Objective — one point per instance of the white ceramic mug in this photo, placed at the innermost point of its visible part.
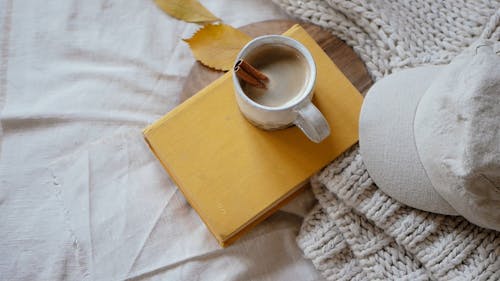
(300, 112)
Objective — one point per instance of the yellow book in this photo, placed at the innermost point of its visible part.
(234, 174)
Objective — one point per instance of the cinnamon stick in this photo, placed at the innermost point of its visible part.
(249, 74)
(245, 76)
(252, 70)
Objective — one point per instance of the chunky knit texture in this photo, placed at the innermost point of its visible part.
(357, 232)
(394, 34)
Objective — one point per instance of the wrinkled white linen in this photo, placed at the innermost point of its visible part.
(81, 196)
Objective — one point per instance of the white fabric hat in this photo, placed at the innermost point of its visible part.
(430, 136)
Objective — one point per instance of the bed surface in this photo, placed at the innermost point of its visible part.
(81, 196)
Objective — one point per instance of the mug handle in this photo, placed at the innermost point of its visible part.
(312, 123)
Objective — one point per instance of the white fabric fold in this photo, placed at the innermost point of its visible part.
(81, 196)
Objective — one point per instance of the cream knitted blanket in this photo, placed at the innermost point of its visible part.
(356, 232)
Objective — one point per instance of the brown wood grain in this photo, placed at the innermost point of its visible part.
(343, 56)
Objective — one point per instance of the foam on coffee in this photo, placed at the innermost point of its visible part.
(288, 74)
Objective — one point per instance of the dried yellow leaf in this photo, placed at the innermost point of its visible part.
(216, 45)
(187, 10)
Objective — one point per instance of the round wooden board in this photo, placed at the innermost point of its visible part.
(343, 56)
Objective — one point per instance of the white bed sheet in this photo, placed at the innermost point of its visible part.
(81, 196)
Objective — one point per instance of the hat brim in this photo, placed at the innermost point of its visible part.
(387, 142)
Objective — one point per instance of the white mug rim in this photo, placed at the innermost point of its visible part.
(269, 39)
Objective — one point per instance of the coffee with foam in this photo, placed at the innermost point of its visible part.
(288, 73)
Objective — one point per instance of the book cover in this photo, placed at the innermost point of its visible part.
(234, 174)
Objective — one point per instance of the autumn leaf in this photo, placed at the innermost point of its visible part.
(217, 45)
(186, 10)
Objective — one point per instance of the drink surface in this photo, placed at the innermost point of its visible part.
(288, 74)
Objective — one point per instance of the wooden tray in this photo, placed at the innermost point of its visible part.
(343, 56)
